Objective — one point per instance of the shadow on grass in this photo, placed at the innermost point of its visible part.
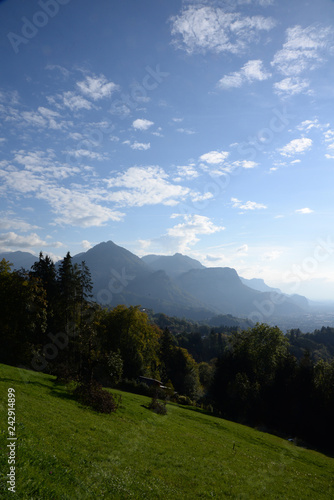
(24, 382)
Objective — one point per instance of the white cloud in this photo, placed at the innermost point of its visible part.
(62, 70)
(77, 207)
(304, 49)
(247, 164)
(86, 153)
(74, 101)
(158, 132)
(13, 240)
(142, 124)
(186, 233)
(251, 71)
(308, 125)
(141, 146)
(214, 157)
(206, 28)
(291, 86)
(185, 131)
(86, 245)
(249, 205)
(145, 186)
(188, 171)
(304, 211)
(296, 146)
(8, 222)
(97, 87)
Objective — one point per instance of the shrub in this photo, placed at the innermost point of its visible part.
(184, 400)
(158, 406)
(92, 394)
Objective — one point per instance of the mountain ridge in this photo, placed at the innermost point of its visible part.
(177, 285)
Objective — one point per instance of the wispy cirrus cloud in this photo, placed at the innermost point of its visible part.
(304, 49)
(291, 86)
(296, 146)
(97, 87)
(251, 71)
(73, 101)
(139, 146)
(206, 28)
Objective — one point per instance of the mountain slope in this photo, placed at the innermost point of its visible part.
(19, 259)
(120, 277)
(173, 265)
(259, 285)
(225, 292)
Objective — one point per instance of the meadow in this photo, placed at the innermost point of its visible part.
(67, 451)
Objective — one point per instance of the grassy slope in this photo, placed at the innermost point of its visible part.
(68, 452)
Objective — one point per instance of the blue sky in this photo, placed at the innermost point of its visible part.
(198, 127)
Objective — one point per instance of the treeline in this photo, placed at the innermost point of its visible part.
(257, 376)
(259, 382)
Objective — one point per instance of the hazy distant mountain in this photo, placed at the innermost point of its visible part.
(173, 265)
(224, 291)
(259, 285)
(19, 259)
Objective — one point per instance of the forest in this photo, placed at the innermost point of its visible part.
(259, 376)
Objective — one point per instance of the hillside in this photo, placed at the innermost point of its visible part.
(65, 451)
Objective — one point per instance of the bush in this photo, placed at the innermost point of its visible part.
(158, 406)
(184, 400)
(92, 394)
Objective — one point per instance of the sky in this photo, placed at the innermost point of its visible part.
(199, 127)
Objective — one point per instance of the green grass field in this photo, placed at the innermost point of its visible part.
(66, 451)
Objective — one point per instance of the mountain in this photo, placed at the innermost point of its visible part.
(223, 290)
(19, 259)
(120, 277)
(259, 285)
(173, 265)
(177, 286)
(180, 286)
